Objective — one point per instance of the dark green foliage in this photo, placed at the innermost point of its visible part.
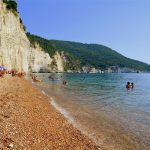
(11, 5)
(73, 63)
(79, 54)
(21, 21)
(46, 45)
(24, 27)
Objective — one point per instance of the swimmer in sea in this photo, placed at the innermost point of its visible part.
(34, 78)
(128, 86)
(132, 85)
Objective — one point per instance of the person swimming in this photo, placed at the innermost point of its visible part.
(34, 78)
(132, 85)
(128, 86)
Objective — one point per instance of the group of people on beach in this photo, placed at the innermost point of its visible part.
(13, 73)
(16, 73)
(130, 85)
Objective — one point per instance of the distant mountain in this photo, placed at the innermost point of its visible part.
(94, 55)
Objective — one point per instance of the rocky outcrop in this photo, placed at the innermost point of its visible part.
(15, 50)
(14, 45)
(42, 62)
(39, 60)
(88, 69)
(58, 62)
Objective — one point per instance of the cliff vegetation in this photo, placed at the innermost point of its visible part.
(11, 5)
(72, 63)
(79, 54)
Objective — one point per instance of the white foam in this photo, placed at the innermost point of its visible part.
(43, 92)
(63, 112)
(72, 121)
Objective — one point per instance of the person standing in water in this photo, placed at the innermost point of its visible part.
(65, 82)
(128, 86)
(132, 85)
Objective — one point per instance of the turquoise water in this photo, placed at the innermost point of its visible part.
(101, 106)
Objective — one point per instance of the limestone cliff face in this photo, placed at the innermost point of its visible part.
(14, 45)
(15, 50)
(58, 62)
(39, 60)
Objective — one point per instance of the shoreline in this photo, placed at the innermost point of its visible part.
(105, 131)
(29, 121)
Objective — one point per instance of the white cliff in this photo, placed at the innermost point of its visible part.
(39, 60)
(58, 62)
(14, 45)
(15, 50)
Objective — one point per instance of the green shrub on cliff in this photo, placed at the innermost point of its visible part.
(11, 5)
(73, 63)
(79, 54)
(24, 27)
(45, 44)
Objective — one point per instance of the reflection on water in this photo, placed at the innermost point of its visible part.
(100, 103)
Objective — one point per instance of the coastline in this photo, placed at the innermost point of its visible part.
(29, 121)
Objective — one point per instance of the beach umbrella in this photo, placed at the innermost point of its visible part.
(2, 68)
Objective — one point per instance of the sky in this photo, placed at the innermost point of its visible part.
(123, 25)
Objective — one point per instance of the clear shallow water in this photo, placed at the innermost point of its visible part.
(100, 105)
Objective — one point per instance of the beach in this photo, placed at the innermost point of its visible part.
(29, 122)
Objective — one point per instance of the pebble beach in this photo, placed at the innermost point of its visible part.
(29, 122)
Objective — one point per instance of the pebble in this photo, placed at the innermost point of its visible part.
(11, 145)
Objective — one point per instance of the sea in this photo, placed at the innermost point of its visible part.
(101, 107)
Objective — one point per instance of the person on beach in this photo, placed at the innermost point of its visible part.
(14, 72)
(20, 74)
(2, 73)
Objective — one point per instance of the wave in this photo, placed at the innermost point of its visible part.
(71, 119)
(65, 113)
